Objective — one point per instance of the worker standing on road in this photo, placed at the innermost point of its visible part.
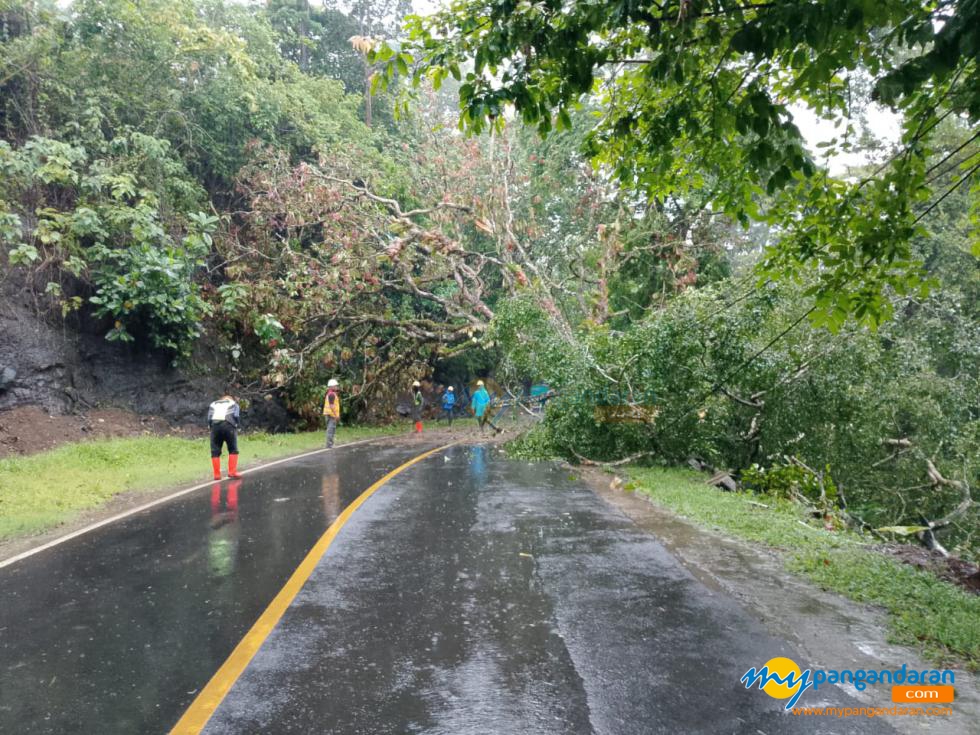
(418, 402)
(449, 404)
(223, 418)
(331, 410)
(481, 407)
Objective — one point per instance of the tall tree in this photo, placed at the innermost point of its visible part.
(319, 38)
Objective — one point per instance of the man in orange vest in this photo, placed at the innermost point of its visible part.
(331, 409)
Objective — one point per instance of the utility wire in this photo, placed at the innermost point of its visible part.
(745, 363)
(953, 153)
(729, 304)
(949, 191)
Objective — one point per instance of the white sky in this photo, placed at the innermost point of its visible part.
(885, 124)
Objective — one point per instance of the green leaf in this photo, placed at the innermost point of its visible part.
(564, 120)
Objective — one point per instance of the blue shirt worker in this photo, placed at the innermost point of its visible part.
(449, 404)
(481, 407)
(223, 418)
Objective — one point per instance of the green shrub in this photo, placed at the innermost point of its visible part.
(791, 480)
(108, 228)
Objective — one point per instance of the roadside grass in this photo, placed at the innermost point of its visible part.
(923, 610)
(41, 491)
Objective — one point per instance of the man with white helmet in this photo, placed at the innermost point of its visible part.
(449, 404)
(331, 409)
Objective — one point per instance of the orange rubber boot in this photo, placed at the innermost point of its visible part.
(216, 467)
(233, 465)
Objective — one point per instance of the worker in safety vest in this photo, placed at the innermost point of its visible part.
(223, 418)
(418, 402)
(331, 409)
(449, 404)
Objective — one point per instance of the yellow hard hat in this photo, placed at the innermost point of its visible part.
(479, 382)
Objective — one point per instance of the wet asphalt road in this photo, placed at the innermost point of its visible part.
(469, 595)
(114, 631)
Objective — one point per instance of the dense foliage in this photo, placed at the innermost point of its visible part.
(877, 414)
(120, 121)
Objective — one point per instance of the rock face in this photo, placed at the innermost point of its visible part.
(65, 370)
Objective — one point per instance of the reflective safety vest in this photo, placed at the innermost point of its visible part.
(331, 405)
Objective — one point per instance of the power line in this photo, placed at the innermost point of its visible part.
(745, 363)
(949, 191)
(953, 153)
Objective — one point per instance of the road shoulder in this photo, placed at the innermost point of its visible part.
(830, 630)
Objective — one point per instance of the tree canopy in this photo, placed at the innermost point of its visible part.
(693, 101)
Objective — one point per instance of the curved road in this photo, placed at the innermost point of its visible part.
(469, 594)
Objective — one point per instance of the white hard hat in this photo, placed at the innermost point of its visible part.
(332, 383)
(449, 388)
(479, 382)
(416, 384)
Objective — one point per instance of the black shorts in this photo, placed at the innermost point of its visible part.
(223, 432)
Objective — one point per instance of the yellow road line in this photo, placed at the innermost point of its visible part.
(204, 705)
